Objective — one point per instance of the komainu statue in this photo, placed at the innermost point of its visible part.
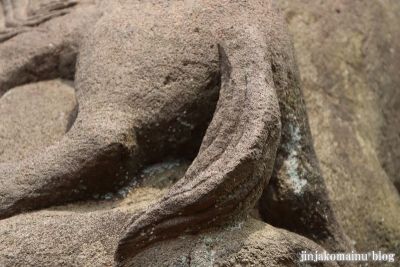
(148, 77)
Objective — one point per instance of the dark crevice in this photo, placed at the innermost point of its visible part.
(72, 117)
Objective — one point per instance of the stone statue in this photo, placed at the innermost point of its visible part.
(146, 74)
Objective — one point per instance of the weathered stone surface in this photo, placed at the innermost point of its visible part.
(34, 116)
(251, 243)
(318, 221)
(61, 238)
(349, 59)
(85, 233)
(297, 188)
(147, 85)
(46, 49)
(190, 37)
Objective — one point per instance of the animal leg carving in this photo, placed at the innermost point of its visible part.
(116, 120)
(54, 174)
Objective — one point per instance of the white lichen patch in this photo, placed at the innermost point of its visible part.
(191, 126)
(291, 163)
(203, 255)
(234, 225)
(108, 196)
(123, 192)
(183, 260)
(161, 167)
(161, 175)
(208, 240)
(152, 176)
(294, 178)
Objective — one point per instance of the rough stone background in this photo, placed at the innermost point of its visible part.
(349, 59)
